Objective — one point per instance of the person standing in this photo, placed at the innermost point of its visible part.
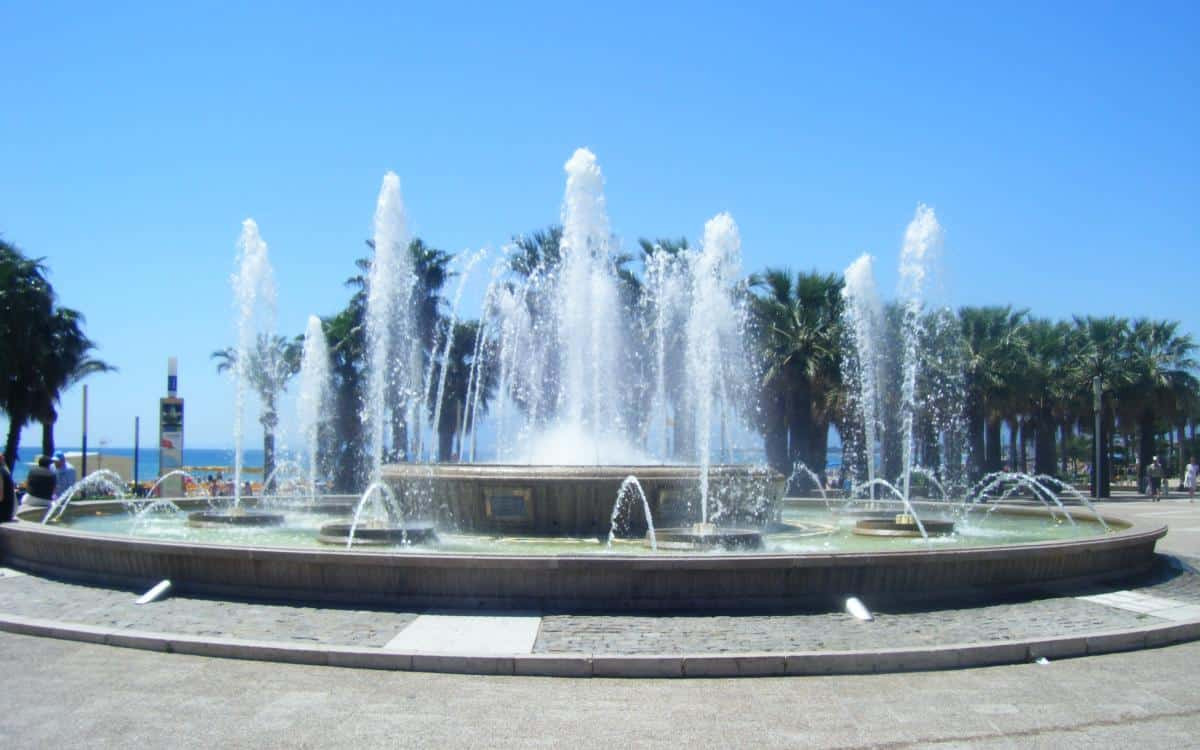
(1190, 477)
(1155, 472)
(65, 472)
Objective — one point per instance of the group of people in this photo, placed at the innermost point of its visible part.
(1155, 484)
(47, 481)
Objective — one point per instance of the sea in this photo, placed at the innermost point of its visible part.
(200, 461)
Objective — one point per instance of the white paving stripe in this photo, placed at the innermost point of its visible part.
(1156, 606)
(483, 635)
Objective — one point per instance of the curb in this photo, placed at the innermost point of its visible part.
(950, 656)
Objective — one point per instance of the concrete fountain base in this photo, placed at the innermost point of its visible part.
(612, 582)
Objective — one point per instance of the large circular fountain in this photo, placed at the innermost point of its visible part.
(808, 556)
(592, 398)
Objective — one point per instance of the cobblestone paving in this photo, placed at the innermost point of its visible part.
(1049, 616)
(30, 596)
(1061, 615)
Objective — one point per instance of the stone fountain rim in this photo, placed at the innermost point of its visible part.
(1125, 532)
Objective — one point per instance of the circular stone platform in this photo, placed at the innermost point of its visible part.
(903, 525)
(417, 532)
(235, 517)
(706, 536)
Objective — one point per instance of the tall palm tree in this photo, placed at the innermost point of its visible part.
(43, 349)
(797, 323)
(431, 271)
(1101, 350)
(66, 361)
(270, 364)
(994, 356)
(458, 374)
(26, 302)
(1161, 363)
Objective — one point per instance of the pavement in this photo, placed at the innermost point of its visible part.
(120, 696)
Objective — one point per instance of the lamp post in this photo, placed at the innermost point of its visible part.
(1096, 400)
(83, 468)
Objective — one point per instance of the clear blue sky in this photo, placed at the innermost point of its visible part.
(1058, 143)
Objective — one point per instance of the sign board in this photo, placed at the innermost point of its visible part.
(508, 504)
(170, 444)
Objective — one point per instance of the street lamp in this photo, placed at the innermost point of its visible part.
(1096, 397)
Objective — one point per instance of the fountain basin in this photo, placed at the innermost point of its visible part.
(572, 582)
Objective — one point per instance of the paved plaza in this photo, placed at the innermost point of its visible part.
(71, 692)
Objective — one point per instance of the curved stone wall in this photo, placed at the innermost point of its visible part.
(607, 582)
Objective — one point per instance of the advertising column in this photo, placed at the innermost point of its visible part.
(170, 433)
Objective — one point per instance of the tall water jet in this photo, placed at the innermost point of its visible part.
(712, 328)
(667, 287)
(922, 239)
(865, 312)
(445, 358)
(254, 307)
(313, 399)
(389, 288)
(588, 324)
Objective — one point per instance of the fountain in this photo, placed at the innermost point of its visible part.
(605, 410)
(254, 298)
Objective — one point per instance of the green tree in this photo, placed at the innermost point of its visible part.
(797, 324)
(270, 364)
(43, 349)
(994, 356)
(1160, 365)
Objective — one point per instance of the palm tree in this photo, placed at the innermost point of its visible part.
(797, 323)
(43, 349)
(538, 252)
(459, 364)
(1161, 362)
(270, 364)
(1047, 386)
(993, 359)
(1101, 350)
(67, 360)
(430, 268)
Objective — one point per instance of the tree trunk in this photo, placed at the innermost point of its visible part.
(818, 447)
(1043, 442)
(13, 442)
(48, 433)
(1066, 451)
(1013, 439)
(1147, 449)
(800, 429)
(268, 460)
(1023, 463)
(976, 452)
(993, 460)
(775, 436)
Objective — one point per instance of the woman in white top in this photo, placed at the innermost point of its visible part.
(1189, 478)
